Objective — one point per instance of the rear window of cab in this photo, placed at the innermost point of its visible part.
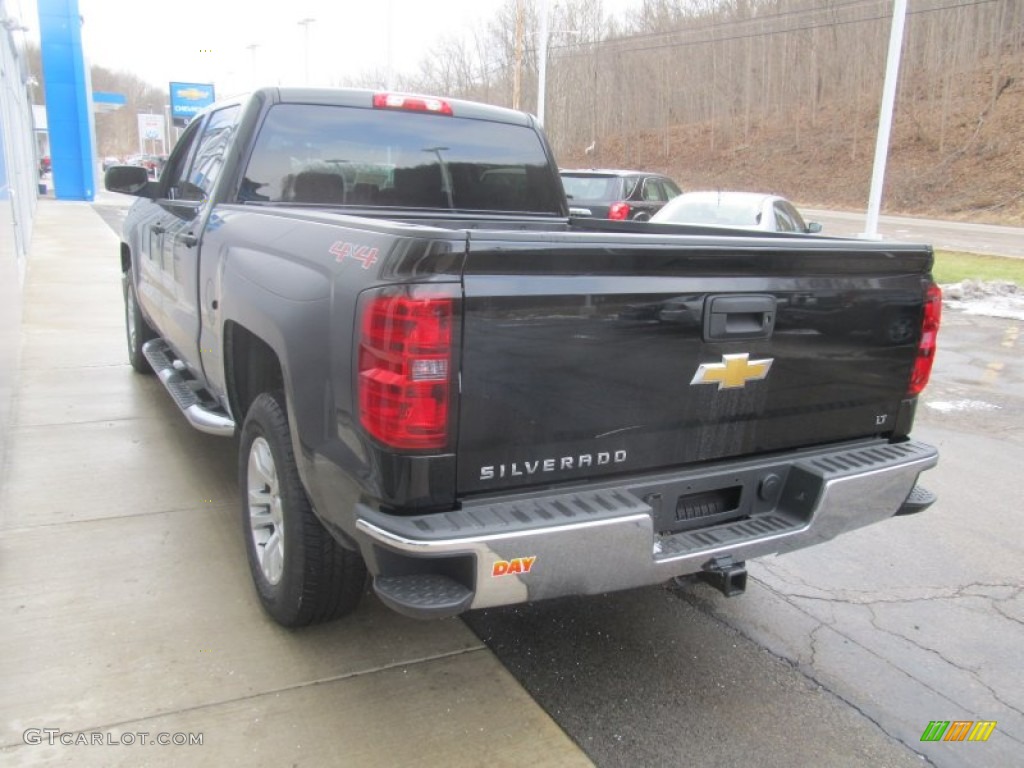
(340, 155)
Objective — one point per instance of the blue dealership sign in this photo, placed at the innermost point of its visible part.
(189, 98)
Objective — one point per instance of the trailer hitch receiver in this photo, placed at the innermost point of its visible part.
(726, 575)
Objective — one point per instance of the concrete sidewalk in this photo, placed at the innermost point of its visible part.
(125, 596)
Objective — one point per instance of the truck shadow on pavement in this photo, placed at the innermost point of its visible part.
(644, 678)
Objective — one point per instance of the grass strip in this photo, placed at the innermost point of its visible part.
(954, 266)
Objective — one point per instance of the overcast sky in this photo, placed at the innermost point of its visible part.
(237, 45)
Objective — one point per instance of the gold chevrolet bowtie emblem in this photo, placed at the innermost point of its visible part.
(733, 372)
(193, 93)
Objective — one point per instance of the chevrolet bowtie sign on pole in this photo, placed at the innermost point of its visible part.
(187, 99)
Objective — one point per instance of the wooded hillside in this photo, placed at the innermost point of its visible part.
(770, 95)
(776, 95)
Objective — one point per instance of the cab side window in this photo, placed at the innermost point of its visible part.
(209, 157)
(177, 163)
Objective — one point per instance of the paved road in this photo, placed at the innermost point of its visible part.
(948, 235)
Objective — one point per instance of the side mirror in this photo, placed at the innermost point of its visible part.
(813, 227)
(129, 180)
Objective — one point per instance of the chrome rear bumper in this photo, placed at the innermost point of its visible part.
(605, 537)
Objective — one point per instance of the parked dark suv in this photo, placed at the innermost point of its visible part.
(620, 195)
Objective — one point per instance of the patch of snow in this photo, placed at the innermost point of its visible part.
(959, 406)
(980, 289)
(996, 298)
(1011, 310)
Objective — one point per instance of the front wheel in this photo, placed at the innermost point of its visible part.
(137, 330)
(302, 575)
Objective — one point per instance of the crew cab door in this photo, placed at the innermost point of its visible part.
(164, 219)
(183, 235)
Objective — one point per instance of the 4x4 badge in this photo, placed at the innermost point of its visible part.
(733, 372)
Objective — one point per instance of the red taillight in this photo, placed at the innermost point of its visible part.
(405, 362)
(619, 211)
(411, 103)
(926, 347)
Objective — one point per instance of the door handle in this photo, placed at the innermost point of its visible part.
(188, 240)
(157, 229)
(739, 318)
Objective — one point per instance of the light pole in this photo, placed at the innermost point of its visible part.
(389, 75)
(517, 74)
(252, 51)
(594, 55)
(168, 129)
(892, 70)
(542, 75)
(304, 23)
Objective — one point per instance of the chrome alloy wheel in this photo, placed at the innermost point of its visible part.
(266, 519)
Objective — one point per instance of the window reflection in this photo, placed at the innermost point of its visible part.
(330, 155)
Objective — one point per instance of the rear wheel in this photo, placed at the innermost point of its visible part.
(137, 330)
(302, 575)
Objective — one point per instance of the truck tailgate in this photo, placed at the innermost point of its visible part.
(586, 355)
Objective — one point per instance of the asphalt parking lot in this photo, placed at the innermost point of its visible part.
(128, 607)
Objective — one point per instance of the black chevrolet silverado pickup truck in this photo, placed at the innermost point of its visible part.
(440, 380)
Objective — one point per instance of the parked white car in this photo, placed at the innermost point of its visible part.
(745, 210)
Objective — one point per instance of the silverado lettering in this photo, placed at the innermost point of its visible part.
(516, 469)
(377, 410)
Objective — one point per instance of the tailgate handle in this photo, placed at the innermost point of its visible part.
(737, 318)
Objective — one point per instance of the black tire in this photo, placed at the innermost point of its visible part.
(304, 576)
(137, 330)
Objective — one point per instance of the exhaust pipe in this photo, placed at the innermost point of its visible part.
(725, 575)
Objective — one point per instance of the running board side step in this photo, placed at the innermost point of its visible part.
(919, 500)
(423, 596)
(212, 421)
